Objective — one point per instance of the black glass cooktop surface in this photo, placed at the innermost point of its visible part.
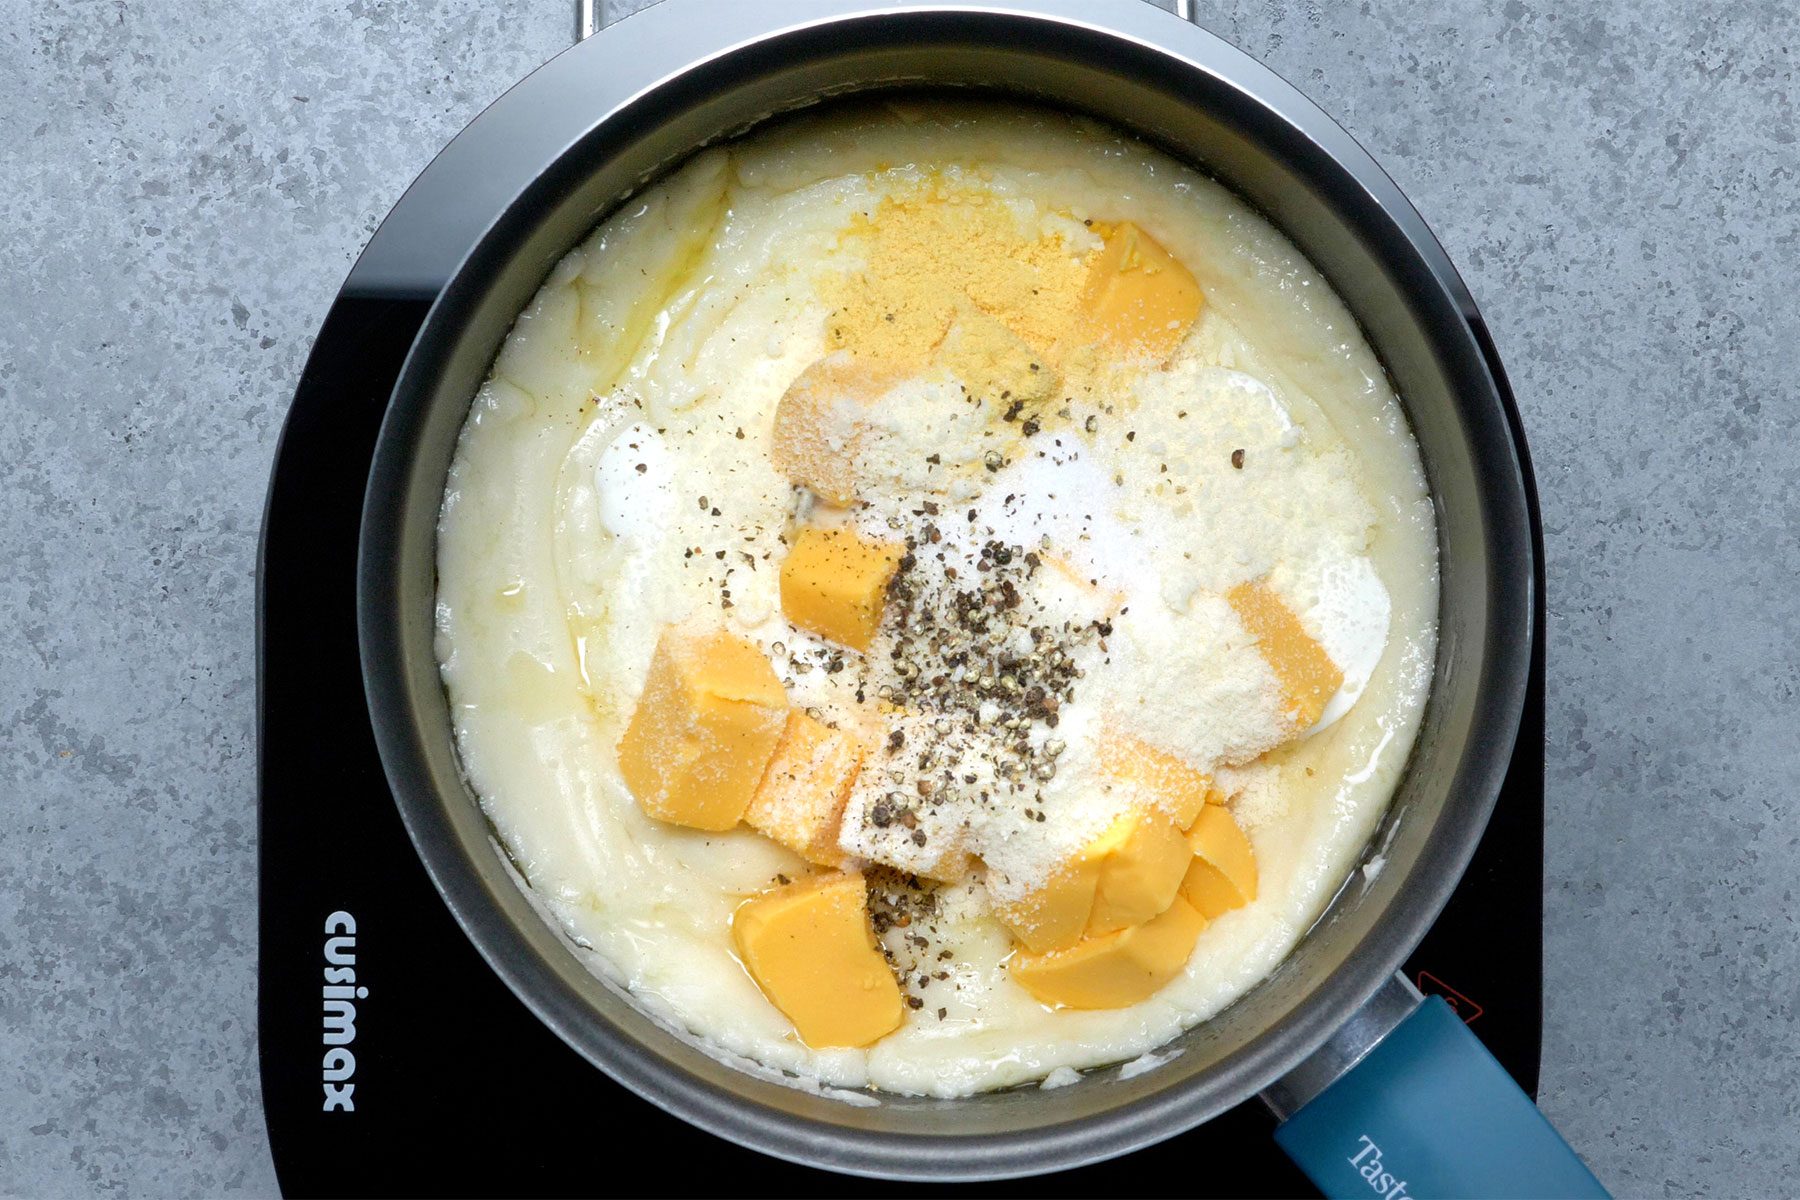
(369, 993)
(456, 1088)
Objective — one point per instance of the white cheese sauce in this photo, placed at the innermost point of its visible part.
(614, 476)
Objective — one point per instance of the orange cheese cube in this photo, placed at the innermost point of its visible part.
(1308, 677)
(835, 584)
(1100, 599)
(934, 844)
(1054, 917)
(811, 949)
(994, 363)
(821, 423)
(800, 801)
(1116, 969)
(1138, 297)
(1125, 876)
(1223, 873)
(1159, 778)
(703, 730)
(950, 864)
(1142, 857)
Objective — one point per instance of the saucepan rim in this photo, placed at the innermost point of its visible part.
(666, 1072)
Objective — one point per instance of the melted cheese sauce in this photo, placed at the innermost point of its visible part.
(627, 421)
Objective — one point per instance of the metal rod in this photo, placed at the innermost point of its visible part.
(590, 16)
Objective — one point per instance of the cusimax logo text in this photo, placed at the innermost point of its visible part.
(1379, 1179)
(338, 998)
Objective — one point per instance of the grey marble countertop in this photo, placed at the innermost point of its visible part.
(183, 186)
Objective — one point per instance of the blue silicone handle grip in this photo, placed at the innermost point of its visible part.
(1429, 1113)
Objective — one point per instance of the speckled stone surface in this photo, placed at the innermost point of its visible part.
(183, 186)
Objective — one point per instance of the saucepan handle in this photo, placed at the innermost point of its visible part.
(1428, 1112)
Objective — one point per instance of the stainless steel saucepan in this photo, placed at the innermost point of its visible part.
(1363, 1072)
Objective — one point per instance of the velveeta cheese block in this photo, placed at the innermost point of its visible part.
(703, 730)
(811, 949)
(1133, 871)
(1222, 875)
(850, 420)
(1115, 969)
(1125, 876)
(993, 362)
(820, 426)
(1138, 296)
(800, 801)
(1308, 676)
(1055, 915)
(1142, 859)
(1103, 598)
(834, 584)
(871, 830)
(1160, 778)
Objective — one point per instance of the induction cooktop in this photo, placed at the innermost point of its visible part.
(393, 1060)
